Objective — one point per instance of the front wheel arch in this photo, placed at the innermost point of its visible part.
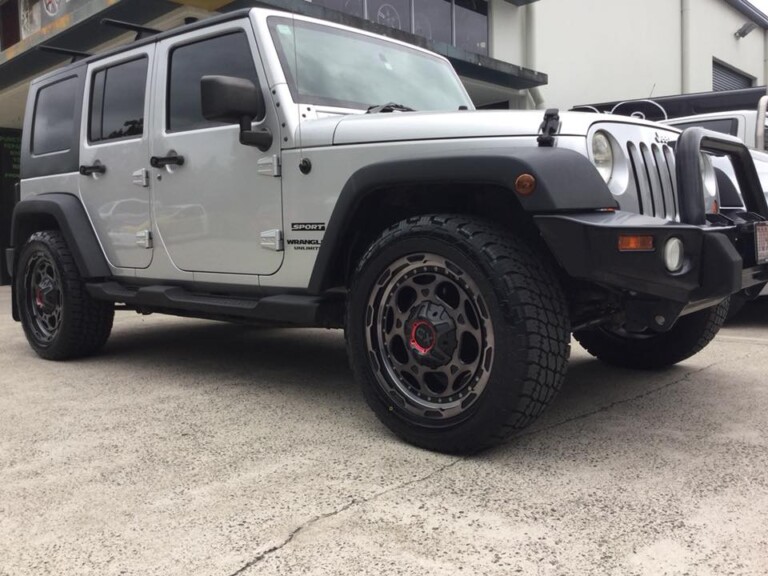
(379, 195)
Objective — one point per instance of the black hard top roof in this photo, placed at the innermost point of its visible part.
(683, 104)
(227, 17)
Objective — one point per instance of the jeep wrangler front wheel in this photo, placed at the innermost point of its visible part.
(59, 318)
(457, 332)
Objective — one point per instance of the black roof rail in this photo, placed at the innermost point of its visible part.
(141, 31)
(76, 54)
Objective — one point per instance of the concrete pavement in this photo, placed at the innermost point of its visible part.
(191, 447)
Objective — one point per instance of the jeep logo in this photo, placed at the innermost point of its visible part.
(662, 139)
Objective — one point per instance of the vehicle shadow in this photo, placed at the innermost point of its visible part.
(313, 364)
(221, 350)
(754, 314)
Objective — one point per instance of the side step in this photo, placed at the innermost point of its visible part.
(296, 309)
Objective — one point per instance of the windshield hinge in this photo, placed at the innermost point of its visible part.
(549, 128)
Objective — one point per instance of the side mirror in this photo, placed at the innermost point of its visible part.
(235, 101)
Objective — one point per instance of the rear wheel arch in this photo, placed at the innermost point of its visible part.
(65, 213)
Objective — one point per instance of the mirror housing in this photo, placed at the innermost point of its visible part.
(235, 101)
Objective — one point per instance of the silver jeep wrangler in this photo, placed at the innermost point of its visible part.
(268, 168)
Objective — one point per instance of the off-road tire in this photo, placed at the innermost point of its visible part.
(60, 320)
(527, 324)
(736, 304)
(687, 337)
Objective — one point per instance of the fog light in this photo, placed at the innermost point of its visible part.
(674, 254)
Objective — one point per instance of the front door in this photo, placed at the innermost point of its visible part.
(114, 156)
(213, 198)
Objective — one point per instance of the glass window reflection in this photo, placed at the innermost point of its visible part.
(431, 19)
(472, 25)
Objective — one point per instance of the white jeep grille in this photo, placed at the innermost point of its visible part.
(655, 179)
(644, 180)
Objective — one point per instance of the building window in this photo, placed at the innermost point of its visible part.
(9, 24)
(432, 20)
(462, 23)
(472, 25)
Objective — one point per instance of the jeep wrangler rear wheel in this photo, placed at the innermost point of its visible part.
(687, 337)
(457, 332)
(60, 319)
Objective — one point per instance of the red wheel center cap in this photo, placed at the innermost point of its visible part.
(39, 298)
(423, 337)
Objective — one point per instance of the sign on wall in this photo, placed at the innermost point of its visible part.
(10, 148)
(34, 14)
(10, 140)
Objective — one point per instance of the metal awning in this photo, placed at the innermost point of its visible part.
(81, 30)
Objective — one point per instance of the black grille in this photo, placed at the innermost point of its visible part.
(653, 170)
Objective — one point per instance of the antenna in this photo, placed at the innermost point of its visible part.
(141, 31)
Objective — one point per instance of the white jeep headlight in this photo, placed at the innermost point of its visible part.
(602, 155)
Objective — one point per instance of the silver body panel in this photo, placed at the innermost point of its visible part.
(118, 208)
(211, 211)
(227, 215)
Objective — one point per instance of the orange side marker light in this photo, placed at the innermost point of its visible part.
(635, 243)
(525, 185)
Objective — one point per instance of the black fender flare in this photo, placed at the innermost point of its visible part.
(72, 221)
(566, 181)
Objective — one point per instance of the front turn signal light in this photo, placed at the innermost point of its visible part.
(635, 243)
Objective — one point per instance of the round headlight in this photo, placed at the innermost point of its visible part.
(602, 155)
(674, 254)
(708, 180)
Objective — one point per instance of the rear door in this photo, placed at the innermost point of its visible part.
(114, 156)
(215, 201)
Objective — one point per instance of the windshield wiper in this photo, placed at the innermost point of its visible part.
(388, 107)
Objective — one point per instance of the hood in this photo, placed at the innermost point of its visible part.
(404, 126)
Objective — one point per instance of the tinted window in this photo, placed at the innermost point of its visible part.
(228, 55)
(54, 125)
(722, 125)
(117, 101)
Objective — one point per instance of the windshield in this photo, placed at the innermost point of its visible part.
(333, 67)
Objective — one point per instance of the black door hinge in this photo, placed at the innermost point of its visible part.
(549, 128)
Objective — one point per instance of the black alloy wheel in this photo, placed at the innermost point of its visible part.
(457, 332)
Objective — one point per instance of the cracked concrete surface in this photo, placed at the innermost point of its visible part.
(193, 447)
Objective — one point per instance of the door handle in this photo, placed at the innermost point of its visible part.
(163, 161)
(93, 169)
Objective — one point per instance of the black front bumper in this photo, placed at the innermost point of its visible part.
(719, 251)
(586, 246)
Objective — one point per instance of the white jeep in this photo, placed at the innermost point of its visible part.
(268, 168)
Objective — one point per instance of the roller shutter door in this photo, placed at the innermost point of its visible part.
(724, 78)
